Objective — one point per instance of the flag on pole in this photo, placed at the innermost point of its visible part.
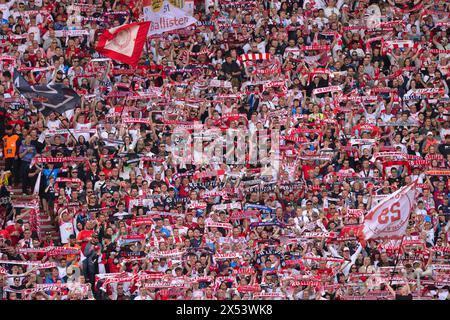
(47, 98)
(124, 43)
(38, 183)
(389, 218)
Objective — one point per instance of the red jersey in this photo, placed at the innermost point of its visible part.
(82, 236)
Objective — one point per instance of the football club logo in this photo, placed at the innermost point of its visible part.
(156, 5)
(177, 3)
(123, 38)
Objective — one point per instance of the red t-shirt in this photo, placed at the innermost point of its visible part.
(11, 122)
(127, 199)
(82, 236)
(184, 192)
(305, 170)
(107, 171)
(191, 225)
(113, 268)
(5, 234)
(327, 271)
(76, 51)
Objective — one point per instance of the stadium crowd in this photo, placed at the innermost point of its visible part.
(358, 91)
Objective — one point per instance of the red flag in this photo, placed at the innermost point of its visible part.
(124, 43)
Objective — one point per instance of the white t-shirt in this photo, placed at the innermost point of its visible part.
(182, 231)
(4, 7)
(262, 47)
(443, 132)
(120, 215)
(55, 124)
(78, 125)
(422, 212)
(443, 295)
(62, 271)
(430, 236)
(197, 295)
(358, 51)
(104, 134)
(301, 219)
(98, 185)
(294, 50)
(37, 33)
(328, 11)
(320, 22)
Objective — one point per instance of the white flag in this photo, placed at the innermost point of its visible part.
(168, 15)
(38, 183)
(389, 218)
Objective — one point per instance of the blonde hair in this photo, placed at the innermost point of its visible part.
(4, 178)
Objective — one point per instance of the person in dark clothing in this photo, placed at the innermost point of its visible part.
(232, 70)
(90, 264)
(18, 286)
(318, 82)
(444, 148)
(197, 239)
(26, 153)
(35, 141)
(395, 178)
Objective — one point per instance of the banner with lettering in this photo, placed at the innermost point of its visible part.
(389, 218)
(168, 15)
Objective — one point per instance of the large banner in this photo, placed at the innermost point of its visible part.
(168, 15)
(47, 98)
(389, 218)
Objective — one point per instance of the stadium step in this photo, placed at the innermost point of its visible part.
(45, 223)
(45, 220)
(47, 227)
